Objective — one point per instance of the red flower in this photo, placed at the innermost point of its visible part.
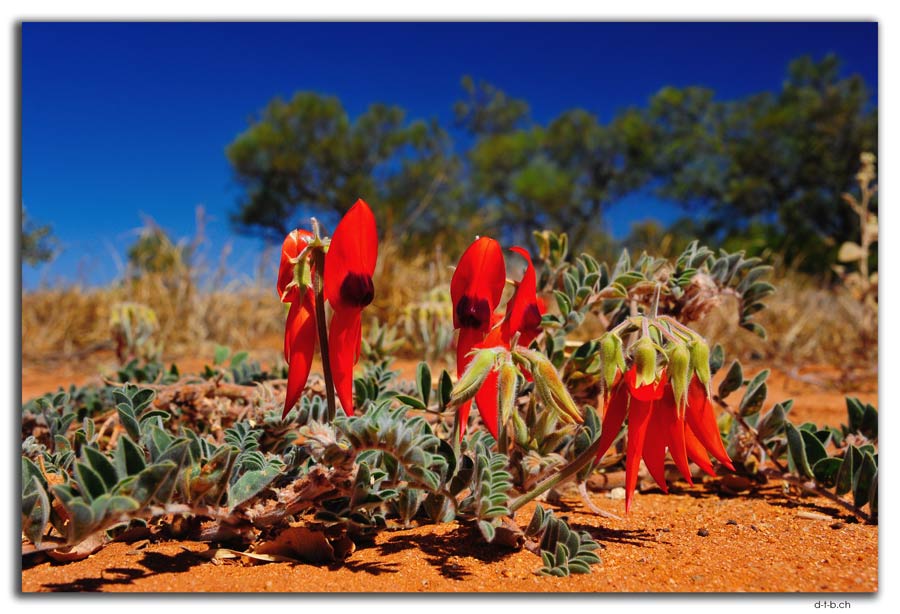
(524, 312)
(655, 424)
(475, 290)
(349, 266)
(300, 328)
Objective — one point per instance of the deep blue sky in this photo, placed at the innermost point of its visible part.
(120, 120)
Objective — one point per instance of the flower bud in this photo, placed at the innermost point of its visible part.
(645, 361)
(613, 360)
(473, 377)
(551, 390)
(700, 360)
(509, 376)
(520, 429)
(679, 371)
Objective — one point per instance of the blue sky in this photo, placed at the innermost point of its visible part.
(122, 120)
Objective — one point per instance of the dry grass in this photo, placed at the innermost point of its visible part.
(807, 323)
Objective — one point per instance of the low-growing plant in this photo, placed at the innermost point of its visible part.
(283, 465)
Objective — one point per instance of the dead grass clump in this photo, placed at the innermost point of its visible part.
(807, 323)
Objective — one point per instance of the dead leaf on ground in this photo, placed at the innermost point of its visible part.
(308, 545)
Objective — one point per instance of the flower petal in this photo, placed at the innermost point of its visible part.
(486, 402)
(477, 284)
(647, 392)
(299, 347)
(654, 450)
(613, 417)
(293, 244)
(344, 339)
(702, 420)
(523, 312)
(696, 451)
(638, 421)
(351, 257)
(677, 448)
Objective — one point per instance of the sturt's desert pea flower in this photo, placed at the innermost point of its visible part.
(660, 417)
(475, 291)
(492, 376)
(349, 266)
(294, 287)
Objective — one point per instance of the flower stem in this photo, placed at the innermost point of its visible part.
(319, 291)
(577, 464)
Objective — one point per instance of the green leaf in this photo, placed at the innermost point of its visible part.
(128, 420)
(873, 495)
(487, 530)
(90, 484)
(81, 520)
(855, 412)
(869, 424)
(149, 480)
(772, 422)
(238, 358)
(154, 413)
(129, 457)
(815, 451)
(101, 465)
(797, 451)
(141, 399)
(563, 302)
(716, 358)
(852, 460)
(35, 512)
(733, 380)
(826, 471)
(863, 480)
(411, 401)
(755, 395)
(250, 484)
(423, 382)
(445, 388)
(220, 354)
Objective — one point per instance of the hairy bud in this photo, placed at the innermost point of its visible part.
(680, 373)
(700, 360)
(508, 379)
(550, 388)
(613, 360)
(473, 377)
(645, 361)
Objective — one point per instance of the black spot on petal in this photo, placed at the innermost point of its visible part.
(357, 289)
(473, 313)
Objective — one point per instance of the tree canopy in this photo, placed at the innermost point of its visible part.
(769, 167)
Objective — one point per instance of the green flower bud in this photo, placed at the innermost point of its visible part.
(473, 377)
(680, 372)
(508, 380)
(551, 390)
(700, 360)
(645, 361)
(520, 429)
(613, 360)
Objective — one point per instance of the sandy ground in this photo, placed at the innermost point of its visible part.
(692, 540)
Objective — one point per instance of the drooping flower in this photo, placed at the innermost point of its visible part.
(293, 286)
(658, 422)
(349, 266)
